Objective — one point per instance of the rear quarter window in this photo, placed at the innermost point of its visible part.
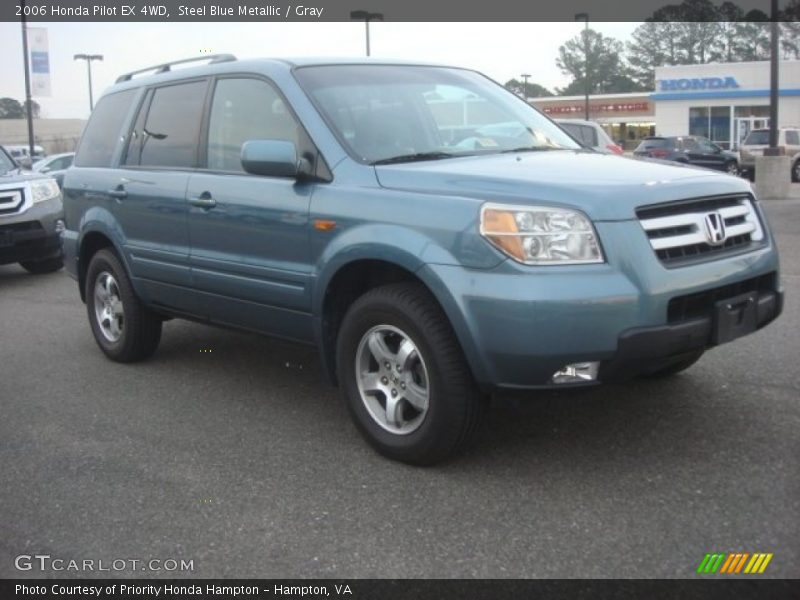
(757, 138)
(654, 143)
(583, 133)
(102, 133)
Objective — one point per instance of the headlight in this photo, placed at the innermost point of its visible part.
(44, 189)
(541, 235)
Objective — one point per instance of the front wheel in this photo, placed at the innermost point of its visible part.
(796, 172)
(124, 329)
(404, 377)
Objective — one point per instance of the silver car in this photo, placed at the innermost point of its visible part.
(589, 134)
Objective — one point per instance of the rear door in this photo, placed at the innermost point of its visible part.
(150, 192)
(249, 234)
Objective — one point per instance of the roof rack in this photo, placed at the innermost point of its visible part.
(166, 67)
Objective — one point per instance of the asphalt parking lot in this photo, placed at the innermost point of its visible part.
(230, 450)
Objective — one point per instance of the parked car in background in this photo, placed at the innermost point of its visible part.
(325, 202)
(31, 218)
(590, 135)
(21, 154)
(55, 165)
(691, 150)
(758, 139)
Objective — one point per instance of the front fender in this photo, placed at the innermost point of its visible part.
(389, 243)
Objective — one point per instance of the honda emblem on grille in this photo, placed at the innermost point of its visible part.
(715, 229)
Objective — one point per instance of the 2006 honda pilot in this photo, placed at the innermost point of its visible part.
(436, 237)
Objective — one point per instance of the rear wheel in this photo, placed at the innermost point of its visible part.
(123, 327)
(404, 377)
(40, 267)
(796, 171)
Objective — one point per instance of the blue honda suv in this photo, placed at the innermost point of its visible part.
(432, 234)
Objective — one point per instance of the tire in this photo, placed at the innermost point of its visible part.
(732, 168)
(796, 171)
(40, 267)
(124, 329)
(676, 367)
(437, 407)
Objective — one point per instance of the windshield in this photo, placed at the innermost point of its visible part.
(394, 113)
(6, 163)
(757, 138)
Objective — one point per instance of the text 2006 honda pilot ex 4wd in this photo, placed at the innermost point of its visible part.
(435, 236)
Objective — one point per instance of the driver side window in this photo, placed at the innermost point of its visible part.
(242, 110)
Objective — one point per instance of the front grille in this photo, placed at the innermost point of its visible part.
(701, 304)
(678, 232)
(11, 200)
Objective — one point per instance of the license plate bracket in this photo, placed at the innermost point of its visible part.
(735, 317)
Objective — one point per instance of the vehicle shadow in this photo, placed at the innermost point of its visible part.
(589, 426)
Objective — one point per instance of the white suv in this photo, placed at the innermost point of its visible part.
(758, 139)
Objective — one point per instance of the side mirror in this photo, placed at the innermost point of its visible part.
(45, 170)
(274, 158)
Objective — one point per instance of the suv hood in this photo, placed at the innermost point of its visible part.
(604, 186)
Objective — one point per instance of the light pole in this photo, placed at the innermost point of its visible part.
(89, 58)
(773, 83)
(363, 15)
(525, 77)
(585, 18)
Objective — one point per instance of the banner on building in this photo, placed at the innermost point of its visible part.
(39, 61)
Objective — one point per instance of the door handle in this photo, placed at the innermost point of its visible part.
(118, 192)
(204, 200)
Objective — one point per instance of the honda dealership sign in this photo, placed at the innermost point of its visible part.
(697, 83)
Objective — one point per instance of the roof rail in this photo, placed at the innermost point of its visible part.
(166, 67)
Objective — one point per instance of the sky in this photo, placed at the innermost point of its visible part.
(500, 50)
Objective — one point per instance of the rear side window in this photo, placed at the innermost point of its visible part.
(103, 130)
(792, 138)
(171, 130)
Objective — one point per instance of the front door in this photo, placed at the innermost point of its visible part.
(249, 235)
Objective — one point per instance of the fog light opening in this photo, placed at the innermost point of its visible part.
(577, 373)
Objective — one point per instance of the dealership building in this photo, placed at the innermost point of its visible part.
(720, 101)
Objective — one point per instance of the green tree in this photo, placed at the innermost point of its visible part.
(698, 32)
(790, 30)
(534, 90)
(35, 109)
(11, 109)
(600, 56)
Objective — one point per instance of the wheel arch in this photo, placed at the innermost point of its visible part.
(351, 279)
(93, 240)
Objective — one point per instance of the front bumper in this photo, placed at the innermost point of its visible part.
(649, 349)
(518, 325)
(31, 235)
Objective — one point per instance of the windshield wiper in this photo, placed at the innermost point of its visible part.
(534, 149)
(417, 156)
